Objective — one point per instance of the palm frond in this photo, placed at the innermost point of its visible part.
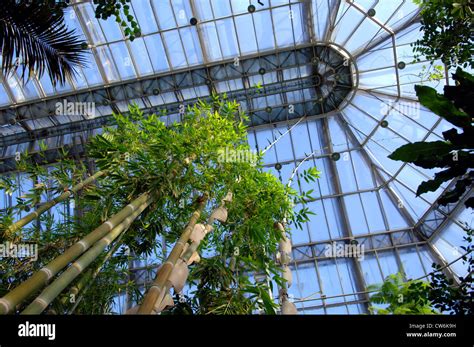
(35, 37)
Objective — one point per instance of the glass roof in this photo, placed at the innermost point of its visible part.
(226, 30)
(363, 195)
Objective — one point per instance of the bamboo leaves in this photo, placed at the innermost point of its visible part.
(40, 278)
(34, 199)
(178, 163)
(55, 288)
(401, 297)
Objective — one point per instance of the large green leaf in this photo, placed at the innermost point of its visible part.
(443, 107)
(464, 77)
(418, 150)
(455, 194)
(470, 202)
(37, 36)
(462, 93)
(429, 186)
(463, 140)
(440, 178)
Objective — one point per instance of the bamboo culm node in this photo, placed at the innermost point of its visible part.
(42, 277)
(153, 295)
(48, 205)
(66, 278)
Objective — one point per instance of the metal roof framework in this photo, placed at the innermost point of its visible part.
(346, 69)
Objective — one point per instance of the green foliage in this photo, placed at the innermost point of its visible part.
(258, 87)
(49, 183)
(7, 185)
(111, 281)
(446, 27)
(221, 290)
(52, 233)
(35, 38)
(431, 73)
(455, 299)
(455, 154)
(120, 9)
(442, 106)
(420, 297)
(180, 162)
(177, 164)
(411, 297)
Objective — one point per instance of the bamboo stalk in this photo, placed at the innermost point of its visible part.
(58, 285)
(85, 282)
(159, 283)
(185, 257)
(286, 306)
(190, 251)
(187, 254)
(46, 206)
(74, 291)
(41, 277)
